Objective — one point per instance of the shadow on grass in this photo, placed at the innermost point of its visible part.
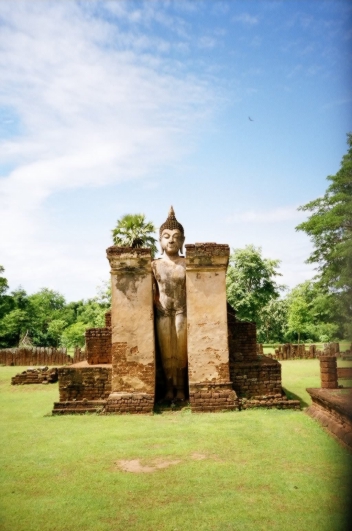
(293, 396)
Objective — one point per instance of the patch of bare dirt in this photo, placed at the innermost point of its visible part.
(136, 467)
(198, 457)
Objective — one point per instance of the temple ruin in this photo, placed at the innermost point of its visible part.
(171, 336)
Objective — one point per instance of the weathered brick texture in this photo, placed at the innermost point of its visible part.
(328, 372)
(333, 410)
(205, 397)
(253, 378)
(137, 403)
(127, 371)
(89, 383)
(242, 338)
(108, 319)
(277, 401)
(98, 345)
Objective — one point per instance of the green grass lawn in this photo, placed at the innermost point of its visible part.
(266, 470)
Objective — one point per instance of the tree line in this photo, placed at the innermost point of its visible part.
(316, 310)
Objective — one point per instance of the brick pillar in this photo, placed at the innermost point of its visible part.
(328, 372)
(108, 319)
(132, 330)
(210, 388)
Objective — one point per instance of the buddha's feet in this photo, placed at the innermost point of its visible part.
(180, 395)
(169, 395)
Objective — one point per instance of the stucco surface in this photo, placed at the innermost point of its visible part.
(132, 320)
(207, 335)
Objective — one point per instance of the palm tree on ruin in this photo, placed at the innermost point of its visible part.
(132, 230)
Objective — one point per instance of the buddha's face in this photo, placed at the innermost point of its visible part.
(171, 241)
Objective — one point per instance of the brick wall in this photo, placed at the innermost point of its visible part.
(108, 319)
(344, 373)
(256, 377)
(134, 403)
(242, 338)
(205, 397)
(98, 345)
(84, 383)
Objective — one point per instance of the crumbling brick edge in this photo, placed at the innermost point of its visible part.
(129, 404)
(331, 416)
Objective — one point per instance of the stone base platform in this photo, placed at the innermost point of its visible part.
(130, 403)
(205, 397)
(277, 401)
(332, 408)
(79, 407)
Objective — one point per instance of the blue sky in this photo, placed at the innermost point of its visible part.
(108, 108)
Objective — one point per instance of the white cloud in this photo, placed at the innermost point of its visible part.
(93, 109)
(275, 215)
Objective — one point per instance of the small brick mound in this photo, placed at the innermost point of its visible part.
(37, 375)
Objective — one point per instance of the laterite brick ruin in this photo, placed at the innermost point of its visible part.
(170, 335)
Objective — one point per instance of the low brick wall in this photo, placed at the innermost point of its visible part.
(134, 403)
(332, 408)
(34, 356)
(242, 338)
(84, 382)
(258, 377)
(41, 375)
(277, 401)
(345, 373)
(204, 397)
(79, 407)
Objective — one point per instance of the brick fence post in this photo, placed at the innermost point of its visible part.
(328, 372)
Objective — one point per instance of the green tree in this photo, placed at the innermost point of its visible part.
(3, 282)
(298, 316)
(44, 307)
(15, 319)
(132, 230)
(312, 312)
(74, 335)
(273, 322)
(330, 230)
(55, 330)
(6, 301)
(250, 282)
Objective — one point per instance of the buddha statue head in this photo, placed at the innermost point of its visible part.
(171, 235)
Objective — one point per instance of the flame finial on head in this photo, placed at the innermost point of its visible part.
(171, 223)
